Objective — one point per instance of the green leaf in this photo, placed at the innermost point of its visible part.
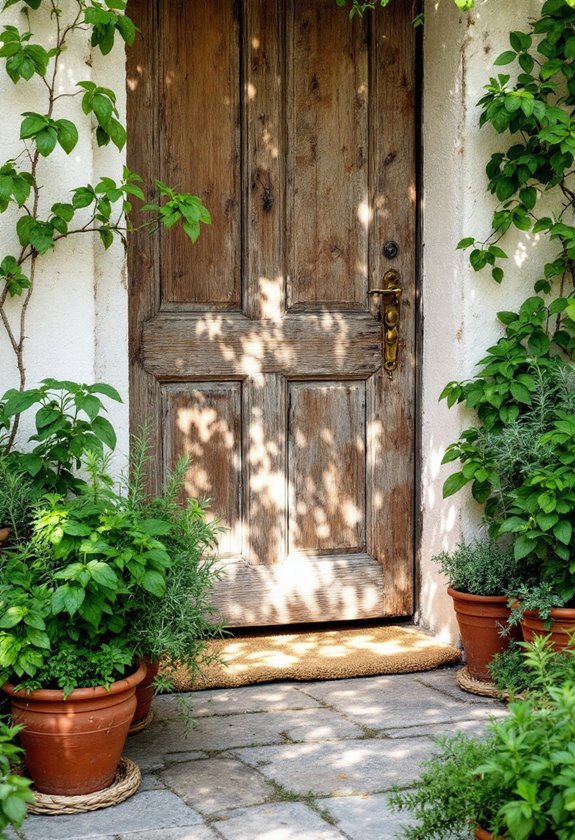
(106, 390)
(46, 140)
(104, 431)
(67, 135)
(466, 243)
(563, 531)
(520, 393)
(453, 484)
(154, 582)
(505, 58)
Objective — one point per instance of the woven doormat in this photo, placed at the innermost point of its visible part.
(320, 655)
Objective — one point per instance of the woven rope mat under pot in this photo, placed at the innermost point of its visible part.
(126, 783)
(320, 655)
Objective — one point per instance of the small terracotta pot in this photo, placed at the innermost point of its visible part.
(480, 618)
(480, 834)
(4, 534)
(73, 746)
(562, 624)
(145, 692)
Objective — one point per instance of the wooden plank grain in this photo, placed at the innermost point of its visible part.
(302, 589)
(327, 221)
(326, 468)
(391, 402)
(264, 151)
(200, 148)
(203, 421)
(230, 346)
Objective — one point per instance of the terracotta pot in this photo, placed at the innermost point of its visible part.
(145, 692)
(73, 746)
(480, 618)
(480, 834)
(562, 623)
(4, 534)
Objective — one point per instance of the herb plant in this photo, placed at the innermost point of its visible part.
(176, 628)
(91, 562)
(518, 783)
(482, 567)
(532, 668)
(533, 501)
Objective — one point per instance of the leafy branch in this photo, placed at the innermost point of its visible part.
(103, 208)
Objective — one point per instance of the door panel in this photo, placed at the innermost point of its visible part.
(259, 350)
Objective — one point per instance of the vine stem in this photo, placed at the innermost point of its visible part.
(18, 339)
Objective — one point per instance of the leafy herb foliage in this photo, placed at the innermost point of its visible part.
(14, 789)
(481, 567)
(519, 459)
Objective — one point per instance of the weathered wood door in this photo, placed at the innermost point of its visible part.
(259, 350)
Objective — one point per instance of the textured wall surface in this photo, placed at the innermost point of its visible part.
(459, 306)
(78, 321)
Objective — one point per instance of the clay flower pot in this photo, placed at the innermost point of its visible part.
(73, 746)
(4, 534)
(480, 834)
(145, 693)
(562, 624)
(480, 618)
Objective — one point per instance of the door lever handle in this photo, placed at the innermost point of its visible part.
(391, 292)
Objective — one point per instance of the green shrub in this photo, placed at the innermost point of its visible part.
(14, 789)
(482, 567)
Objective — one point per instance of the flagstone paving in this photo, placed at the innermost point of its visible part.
(284, 761)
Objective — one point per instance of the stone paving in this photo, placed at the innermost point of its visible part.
(283, 761)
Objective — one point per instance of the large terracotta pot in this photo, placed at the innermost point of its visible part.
(562, 624)
(480, 618)
(73, 746)
(145, 693)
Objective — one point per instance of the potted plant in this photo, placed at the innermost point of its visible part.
(521, 469)
(175, 629)
(67, 655)
(480, 573)
(515, 784)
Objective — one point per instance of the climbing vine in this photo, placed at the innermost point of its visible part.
(102, 208)
(519, 459)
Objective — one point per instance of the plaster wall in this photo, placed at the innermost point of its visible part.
(78, 319)
(459, 306)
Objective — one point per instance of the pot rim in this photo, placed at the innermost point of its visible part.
(556, 613)
(485, 599)
(57, 695)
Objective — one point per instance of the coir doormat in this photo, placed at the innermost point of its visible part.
(320, 655)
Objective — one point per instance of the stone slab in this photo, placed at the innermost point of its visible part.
(391, 702)
(218, 784)
(150, 810)
(277, 821)
(272, 697)
(363, 766)
(446, 682)
(163, 739)
(366, 817)
(470, 727)
(196, 832)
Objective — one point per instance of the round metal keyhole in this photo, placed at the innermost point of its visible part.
(390, 250)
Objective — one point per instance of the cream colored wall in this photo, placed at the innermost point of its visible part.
(459, 306)
(78, 321)
(77, 324)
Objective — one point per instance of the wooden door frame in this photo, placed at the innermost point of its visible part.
(143, 261)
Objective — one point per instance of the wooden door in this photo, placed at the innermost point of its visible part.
(259, 350)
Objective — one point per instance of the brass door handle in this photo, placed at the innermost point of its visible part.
(391, 293)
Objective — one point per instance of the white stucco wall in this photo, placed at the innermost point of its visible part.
(459, 306)
(78, 320)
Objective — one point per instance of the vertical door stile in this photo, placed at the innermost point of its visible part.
(143, 156)
(393, 191)
(264, 281)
